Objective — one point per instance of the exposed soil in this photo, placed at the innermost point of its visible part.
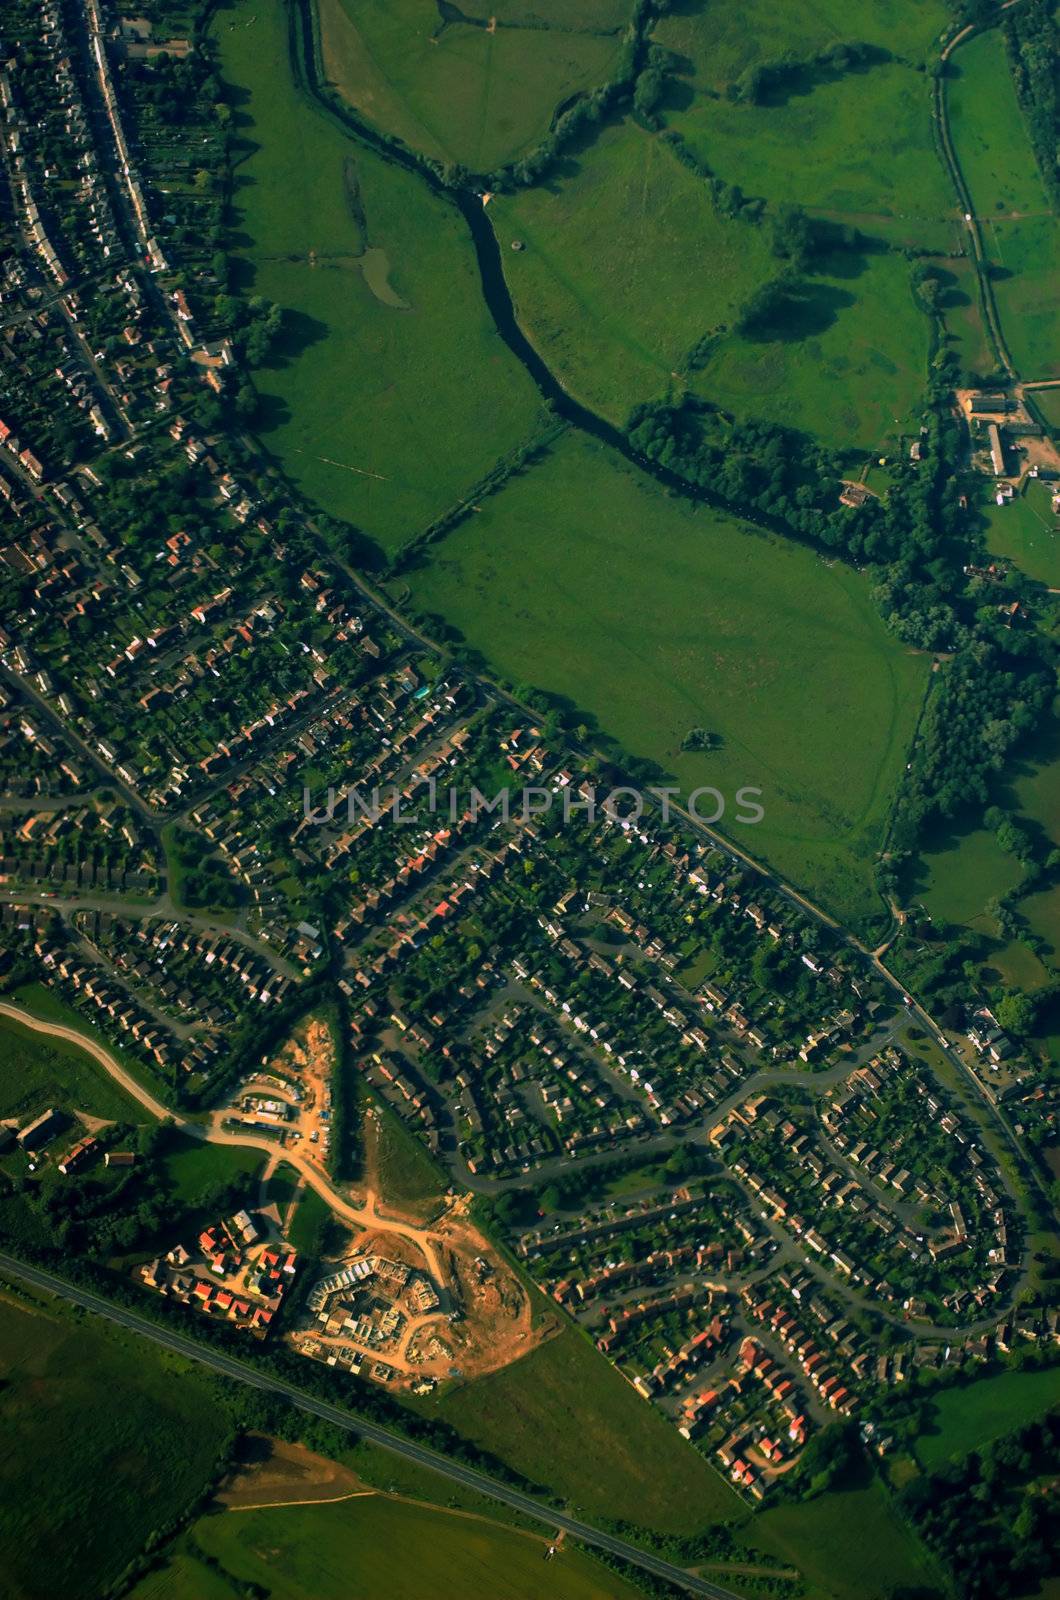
(275, 1473)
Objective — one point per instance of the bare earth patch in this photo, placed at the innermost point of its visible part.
(277, 1473)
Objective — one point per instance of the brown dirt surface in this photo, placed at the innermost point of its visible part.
(277, 1473)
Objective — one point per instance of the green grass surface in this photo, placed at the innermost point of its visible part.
(1028, 532)
(988, 131)
(657, 617)
(383, 413)
(967, 1418)
(408, 1179)
(1025, 254)
(466, 93)
(44, 1003)
(963, 874)
(36, 1071)
(373, 1546)
(311, 1218)
(849, 1544)
(106, 1439)
(627, 266)
(191, 1167)
(567, 1420)
(1048, 403)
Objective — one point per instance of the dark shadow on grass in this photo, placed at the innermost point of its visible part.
(807, 310)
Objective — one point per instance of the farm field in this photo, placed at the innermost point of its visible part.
(565, 1419)
(391, 393)
(656, 616)
(967, 1418)
(1048, 403)
(830, 1538)
(461, 90)
(1027, 532)
(1020, 235)
(959, 303)
(725, 39)
(615, 306)
(372, 1545)
(963, 875)
(85, 1481)
(37, 1071)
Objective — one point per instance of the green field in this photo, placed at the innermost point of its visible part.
(656, 617)
(1020, 235)
(106, 1440)
(407, 1178)
(393, 392)
(43, 1002)
(1048, 403)
(627, 265)
(723, 40)
(460, 91)
(1027, 532)
(963, 874)
(370, 1546)
(36, 1071)
(966, 1418)
(850, 1543)
(569, 1422)
(190, 1167)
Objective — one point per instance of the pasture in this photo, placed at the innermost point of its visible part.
(831, 1537)
(371, 1545)
(988, 131)
(391, 392)
(1028, 532)
(971, 1416)
(570, 1423)
(964, 872)
(465, 90)
(86, 1480)
(626, 265)
(1024, 254)
(654, 616)
(37, 1071)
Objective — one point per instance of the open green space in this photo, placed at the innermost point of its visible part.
(724, 39)
(191, 1168)
(967, 1418)
(1047, 402)
(567, 1420)
(964, 873)
(656, 616)
(107, 1439)
(37, 1071)
(407, 1178)
(989, 133)
(850, 1542)
(474, 90)
(373, 1546)
(626, 265)
(1024, 254)
(1027, 531)
(391, 393)
(43, 1002)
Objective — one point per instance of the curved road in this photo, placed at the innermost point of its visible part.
(469, 1477)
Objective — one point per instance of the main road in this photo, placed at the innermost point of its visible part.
(455, 1471)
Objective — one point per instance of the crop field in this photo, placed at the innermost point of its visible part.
(967, 1418)
(656, 616)
(569, 1422)
(371, 1545)
(1027, 532)
(475, 91)
(392, 392)
(86, 1480)
(830, 1539)
(36, 1071)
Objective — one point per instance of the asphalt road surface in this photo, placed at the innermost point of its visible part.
(455, 1470)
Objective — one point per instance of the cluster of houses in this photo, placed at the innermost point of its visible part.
(232, 1273)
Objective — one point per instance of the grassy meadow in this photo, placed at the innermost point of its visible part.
(460, 90)
(831, 1538)
(567, 1420)
(1024, 255)
(403, 1172)
(656, 616)
(391, 393)
(37, 1071)
(627, 265)
(369, 1545)
(965, 1419)
(1028, 532)
(107, 1439)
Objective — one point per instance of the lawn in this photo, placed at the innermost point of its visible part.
(107, 1439)
(849, 1544)
(1028, 532)
(460, 91)
(570, 1423)
(655, 616)
(392, 392)
(626, 265)
(373, 1546)
(36, 1071)
(967, 1418)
